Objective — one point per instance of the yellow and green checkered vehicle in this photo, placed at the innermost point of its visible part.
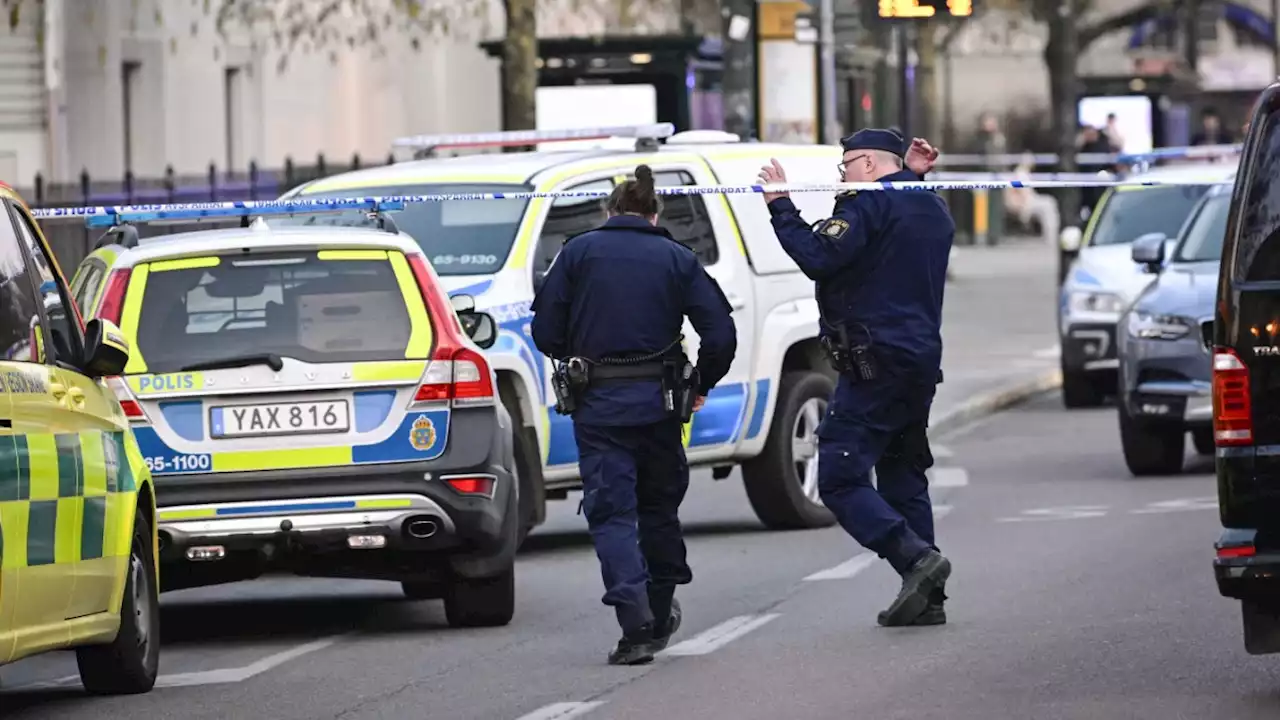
(77, 516)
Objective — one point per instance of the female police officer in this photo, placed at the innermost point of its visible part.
(613, 304)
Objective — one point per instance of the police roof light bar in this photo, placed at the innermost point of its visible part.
(108, 216)
(102, 216)
(515, 138)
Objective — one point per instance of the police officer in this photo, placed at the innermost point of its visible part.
(611, 311)
(879, 262)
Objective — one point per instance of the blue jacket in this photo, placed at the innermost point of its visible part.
(623, 290)
(880, 261)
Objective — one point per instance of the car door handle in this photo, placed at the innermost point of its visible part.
(736, 302)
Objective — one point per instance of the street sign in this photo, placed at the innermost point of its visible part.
(909, 9)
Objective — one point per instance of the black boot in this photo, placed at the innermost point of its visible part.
(928, 573)
(662, 633)
(934, 614)
(635, 648)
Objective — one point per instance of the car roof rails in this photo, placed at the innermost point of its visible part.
(647, 138)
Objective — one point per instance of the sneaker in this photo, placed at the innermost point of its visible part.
(633, 649)
(662, 633)
(928, 573)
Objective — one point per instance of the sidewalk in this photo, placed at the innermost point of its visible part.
(999, 331)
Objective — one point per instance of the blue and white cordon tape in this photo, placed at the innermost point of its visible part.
(101, 216)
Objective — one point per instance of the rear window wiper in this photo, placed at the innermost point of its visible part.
(271, 360)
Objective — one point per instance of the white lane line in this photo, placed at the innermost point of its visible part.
(720, 635)
(941, 511)
(1049, 352)
(948, 477)
(562, 711)
(845, 570)
(221, 676)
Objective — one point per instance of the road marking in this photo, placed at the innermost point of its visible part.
(562, 711)
(1049, 352)
(207, 677)
(941, 511)
(1180, 505)
(1068, 512)
(720, 635)
(948, 477)
(845, 570)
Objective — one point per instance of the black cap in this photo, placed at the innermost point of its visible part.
(889, 141)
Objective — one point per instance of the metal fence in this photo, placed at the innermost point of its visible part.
(71, 241)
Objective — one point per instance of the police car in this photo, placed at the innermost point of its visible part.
(763, 416)
(312, 402)
(1103, 279)
(77, 517)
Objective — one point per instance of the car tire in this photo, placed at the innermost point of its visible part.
(1261, 627)
(1151, 449)
(1080, 391)
(528, 469)
(129, 664)
(1203, 441)
(481, 602)
(773, 481)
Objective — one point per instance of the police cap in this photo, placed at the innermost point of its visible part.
(889, 141)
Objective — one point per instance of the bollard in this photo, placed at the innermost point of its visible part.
(981, 217)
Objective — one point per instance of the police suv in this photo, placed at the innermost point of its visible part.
(311, 401)
(764, 414)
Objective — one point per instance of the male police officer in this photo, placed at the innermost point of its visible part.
(879, 262)
(611, 311)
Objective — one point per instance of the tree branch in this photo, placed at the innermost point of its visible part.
(1091, 33)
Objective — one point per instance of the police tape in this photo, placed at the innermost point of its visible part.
(198, 211)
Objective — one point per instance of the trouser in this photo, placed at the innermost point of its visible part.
(633, 481)
(879, 425)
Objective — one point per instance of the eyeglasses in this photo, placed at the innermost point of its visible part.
(841, 165)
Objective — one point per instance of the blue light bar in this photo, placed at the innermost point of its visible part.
(197, 212)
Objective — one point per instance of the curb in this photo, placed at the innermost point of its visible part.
(980, 406)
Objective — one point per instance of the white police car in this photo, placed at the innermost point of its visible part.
(1103, 279)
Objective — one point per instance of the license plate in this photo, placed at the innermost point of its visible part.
(306, 418)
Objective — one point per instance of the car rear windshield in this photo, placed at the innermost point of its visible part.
(1133, 213)
(461, 237)
(1203, 239)
(1256, 256)
(294, 305)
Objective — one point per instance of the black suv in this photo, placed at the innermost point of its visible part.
(1245, 341)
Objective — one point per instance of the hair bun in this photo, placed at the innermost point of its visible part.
(644, 174)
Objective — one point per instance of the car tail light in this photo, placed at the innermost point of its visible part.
(1237, 551)
(113, 297)
(128, 403)
(473, 484)
(457, 373)
(1232, 409)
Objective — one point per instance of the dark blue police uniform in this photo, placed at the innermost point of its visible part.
(880, 265)
(623, 291)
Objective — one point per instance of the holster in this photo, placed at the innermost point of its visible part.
(568, 380)
(680, 383)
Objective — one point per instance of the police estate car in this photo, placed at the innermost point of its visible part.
(763, 416)
(311, 401)
(77, 519)
(1103, 279)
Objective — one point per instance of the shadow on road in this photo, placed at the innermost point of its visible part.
(543, 541)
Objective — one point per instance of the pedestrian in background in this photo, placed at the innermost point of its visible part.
(615, 299)
(880, 264)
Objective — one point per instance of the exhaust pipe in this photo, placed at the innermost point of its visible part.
(421, 529)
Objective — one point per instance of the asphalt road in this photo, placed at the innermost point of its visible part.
(1078, 592)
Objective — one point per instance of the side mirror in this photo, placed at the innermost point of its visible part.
(462, 303)
(1148, 251)
(480, 327)
(106, 352)
(1069, 239)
